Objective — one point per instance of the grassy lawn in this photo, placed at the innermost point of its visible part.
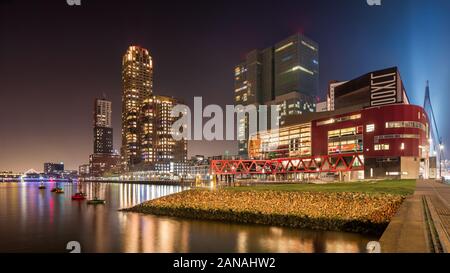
(398, 187)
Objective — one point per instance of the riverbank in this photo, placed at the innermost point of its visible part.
(397, 187)
(187, 183)
(357, 212)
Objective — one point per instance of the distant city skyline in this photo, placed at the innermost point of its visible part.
(56, 59)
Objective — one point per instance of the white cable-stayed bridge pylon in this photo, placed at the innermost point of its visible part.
(437, 144)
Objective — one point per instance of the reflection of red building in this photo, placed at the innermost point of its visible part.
(373, 124)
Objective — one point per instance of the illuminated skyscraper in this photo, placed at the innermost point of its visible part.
(103, 132)
(103, 160)
(137, 108)
(167, 150)
(285, 75)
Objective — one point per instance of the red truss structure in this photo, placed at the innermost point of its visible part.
(313, 164)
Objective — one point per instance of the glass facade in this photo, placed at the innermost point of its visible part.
(292, 141)
(286, 75)
(347, 140)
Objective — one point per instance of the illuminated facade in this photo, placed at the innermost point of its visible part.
(285, 75)
(373, 133)
(103, 131)
(137, 106)
(290, 141)
(167, 149)
(53, 168)
(103, 164)
(103, 160)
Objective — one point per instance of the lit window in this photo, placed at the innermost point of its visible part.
(370, 128)
(284, 46)
(309, 45)
(402, 147)
(381, 147)
(299, 67)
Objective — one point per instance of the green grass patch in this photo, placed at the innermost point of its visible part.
(397, 187)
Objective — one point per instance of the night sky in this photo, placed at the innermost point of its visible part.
(55, 59)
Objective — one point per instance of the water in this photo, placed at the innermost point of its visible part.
(33, 220)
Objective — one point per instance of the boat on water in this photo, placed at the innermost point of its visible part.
(42, 186)
(57, 189)
(80, 195)
(96, 202)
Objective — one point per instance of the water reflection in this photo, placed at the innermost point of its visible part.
(33, 220)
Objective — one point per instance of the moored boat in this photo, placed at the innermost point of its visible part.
(79, 196)
(96, 202)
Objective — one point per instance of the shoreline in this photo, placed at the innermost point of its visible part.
(158, 183)
(344, 212)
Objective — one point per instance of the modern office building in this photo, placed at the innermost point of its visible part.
(103, 131)
(103, 160)
(102, 113)
(53, 168)
(285, 75)
(137, 85)
(373, 132)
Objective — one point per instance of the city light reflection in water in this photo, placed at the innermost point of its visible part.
(33, 220)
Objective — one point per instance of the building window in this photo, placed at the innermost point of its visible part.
(406, 124)
(309, 46)
(340, 119)
(345, 140)
(402, 147)
(370, 128)
(284, 46)
(293, 141)
(381, 147)
(396, 136)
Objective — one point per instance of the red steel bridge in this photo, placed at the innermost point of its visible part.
(313, 164)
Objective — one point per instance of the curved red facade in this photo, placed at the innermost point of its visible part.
(378, 117)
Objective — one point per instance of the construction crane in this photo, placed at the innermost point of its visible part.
(437, 142)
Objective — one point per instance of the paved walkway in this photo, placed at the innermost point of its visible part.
(422, 225)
